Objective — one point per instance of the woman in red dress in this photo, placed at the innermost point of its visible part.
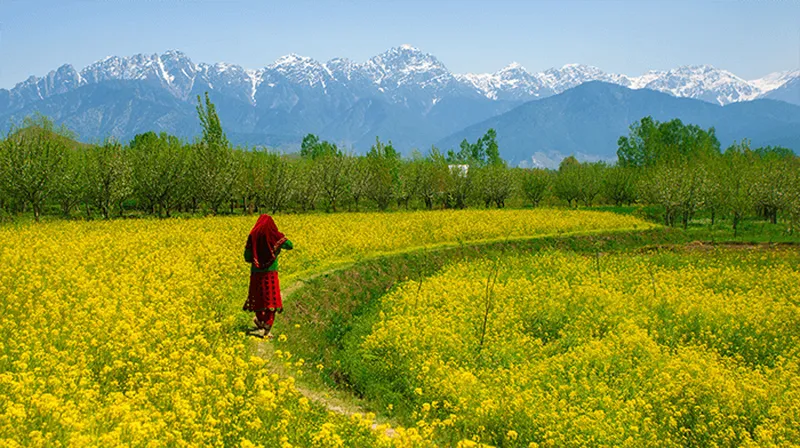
(264, 244)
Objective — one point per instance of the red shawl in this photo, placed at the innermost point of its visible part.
(265, 241)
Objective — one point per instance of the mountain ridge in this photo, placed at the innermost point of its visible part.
(175, 69)
(404, 94)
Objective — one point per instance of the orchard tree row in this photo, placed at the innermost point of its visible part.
(680, 168)
(43, 170)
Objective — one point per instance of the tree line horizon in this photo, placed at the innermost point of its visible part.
(678, 167)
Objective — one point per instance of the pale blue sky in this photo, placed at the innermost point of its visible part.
(750, 39)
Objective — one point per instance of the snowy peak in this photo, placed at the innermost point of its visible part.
(774, 80)
(512, 67)
(173, 70)
(515, 71)
(572, 75)
(291, 60)
(301, 70)
(512, 82)
(136, 67)
(640, 82)
(178, 72)
(407, 65)
(61, 80)
(703, 82)
(229, 79)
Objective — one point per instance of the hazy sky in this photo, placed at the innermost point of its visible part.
(751, 38)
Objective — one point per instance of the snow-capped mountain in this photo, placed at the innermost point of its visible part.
(702, 82)
(774, 80)
(573, 75)
(513, 82)
(402, 88)
(62, 80)
(407, 66)
(399, 73)
(301, 70)
(409, 76)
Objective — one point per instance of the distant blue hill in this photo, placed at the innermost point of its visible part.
(589, 119)
(113, 108)
(586, 120)
(125, 108)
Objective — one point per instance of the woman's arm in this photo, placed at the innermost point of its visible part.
(248, 251)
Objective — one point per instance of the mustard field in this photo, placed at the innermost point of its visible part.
(130, 333)
(662, 348)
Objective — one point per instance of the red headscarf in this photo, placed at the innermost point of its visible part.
(265, 241)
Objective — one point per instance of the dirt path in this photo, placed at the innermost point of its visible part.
(338, 402)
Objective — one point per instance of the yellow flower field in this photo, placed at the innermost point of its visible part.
(667, 349)
(129, 332)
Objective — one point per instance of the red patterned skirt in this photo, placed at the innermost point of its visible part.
(264, 293)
